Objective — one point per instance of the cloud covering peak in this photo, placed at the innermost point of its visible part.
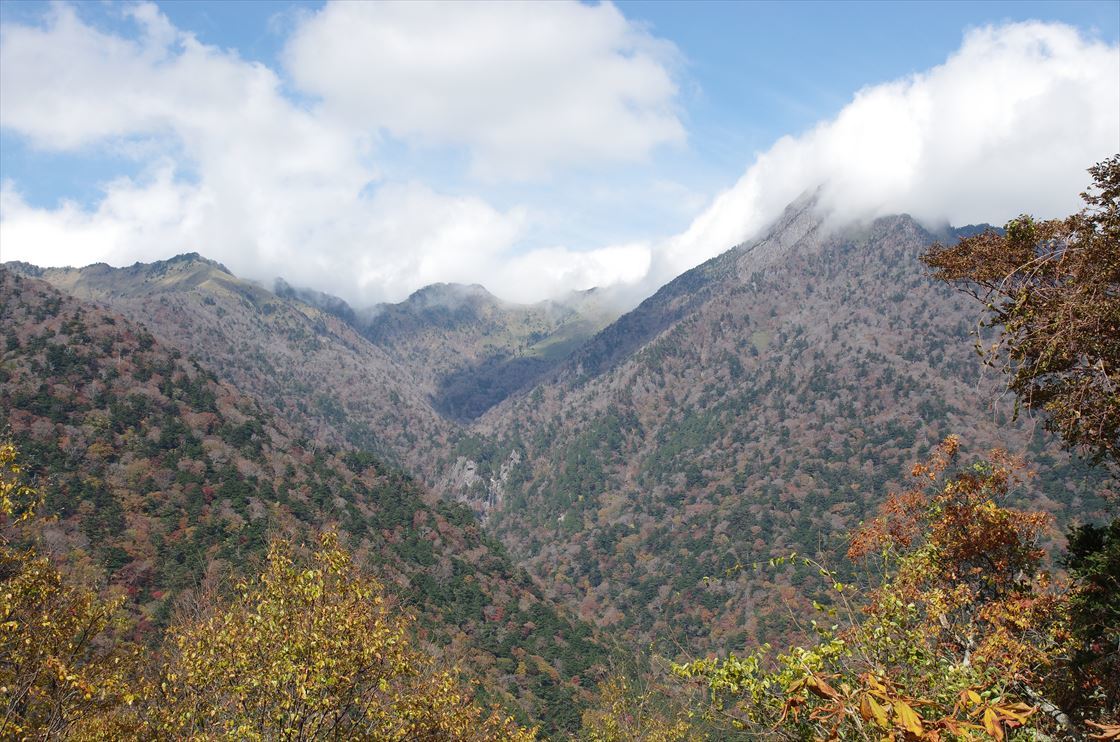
(231, 164)
(1007, 125)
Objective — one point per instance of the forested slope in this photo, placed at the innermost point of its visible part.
(464, 347)
(306, 364)
(166, 481)
(763, 402)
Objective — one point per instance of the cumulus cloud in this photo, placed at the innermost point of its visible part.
(231, 166)
(1008, 124)
(524, 86)
(243, 174)
(380, 247)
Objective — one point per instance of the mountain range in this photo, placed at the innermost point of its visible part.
(642, 467)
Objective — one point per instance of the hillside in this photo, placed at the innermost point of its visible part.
(400, 379)
(166, 481)
(762, 402)
(306, 364)
(465, 348)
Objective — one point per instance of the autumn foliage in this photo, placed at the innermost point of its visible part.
(963, 637)
(625, 711)
(59, 658)
(310, 649)
(955, 628)
(966, 635)
(1053, 290)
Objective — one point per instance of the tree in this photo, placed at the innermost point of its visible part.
(1053, 290)
(1093, 560)
(625, 713)
(962, 636)
(965, 635)
(309, 651)
(61, 660)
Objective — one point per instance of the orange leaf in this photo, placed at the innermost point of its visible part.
(1016, 712)
(960, 728)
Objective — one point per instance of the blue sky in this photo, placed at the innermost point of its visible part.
(367, 150)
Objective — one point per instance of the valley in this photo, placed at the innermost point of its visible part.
(582, 481)
(582, 370)
(168, 482)
(763, 401)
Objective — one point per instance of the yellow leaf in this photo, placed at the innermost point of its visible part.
(908, 718)
(878, 712)
(992, 725)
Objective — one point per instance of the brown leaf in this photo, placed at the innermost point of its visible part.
(1108, 732)
(820, 688)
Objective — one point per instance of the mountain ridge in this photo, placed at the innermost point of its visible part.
(776, 394)
(763, 400)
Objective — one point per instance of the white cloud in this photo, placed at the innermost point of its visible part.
(526, 87)
(273, 188)
(131, 217)
(378, 248)
(538, 273)
(1007, 125)
(233, 168)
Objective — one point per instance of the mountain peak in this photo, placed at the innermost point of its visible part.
(22, 268)
(188, 258)
(101, 281)
(450, 295)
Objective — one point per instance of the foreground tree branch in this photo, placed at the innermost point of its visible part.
(1052, 288)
